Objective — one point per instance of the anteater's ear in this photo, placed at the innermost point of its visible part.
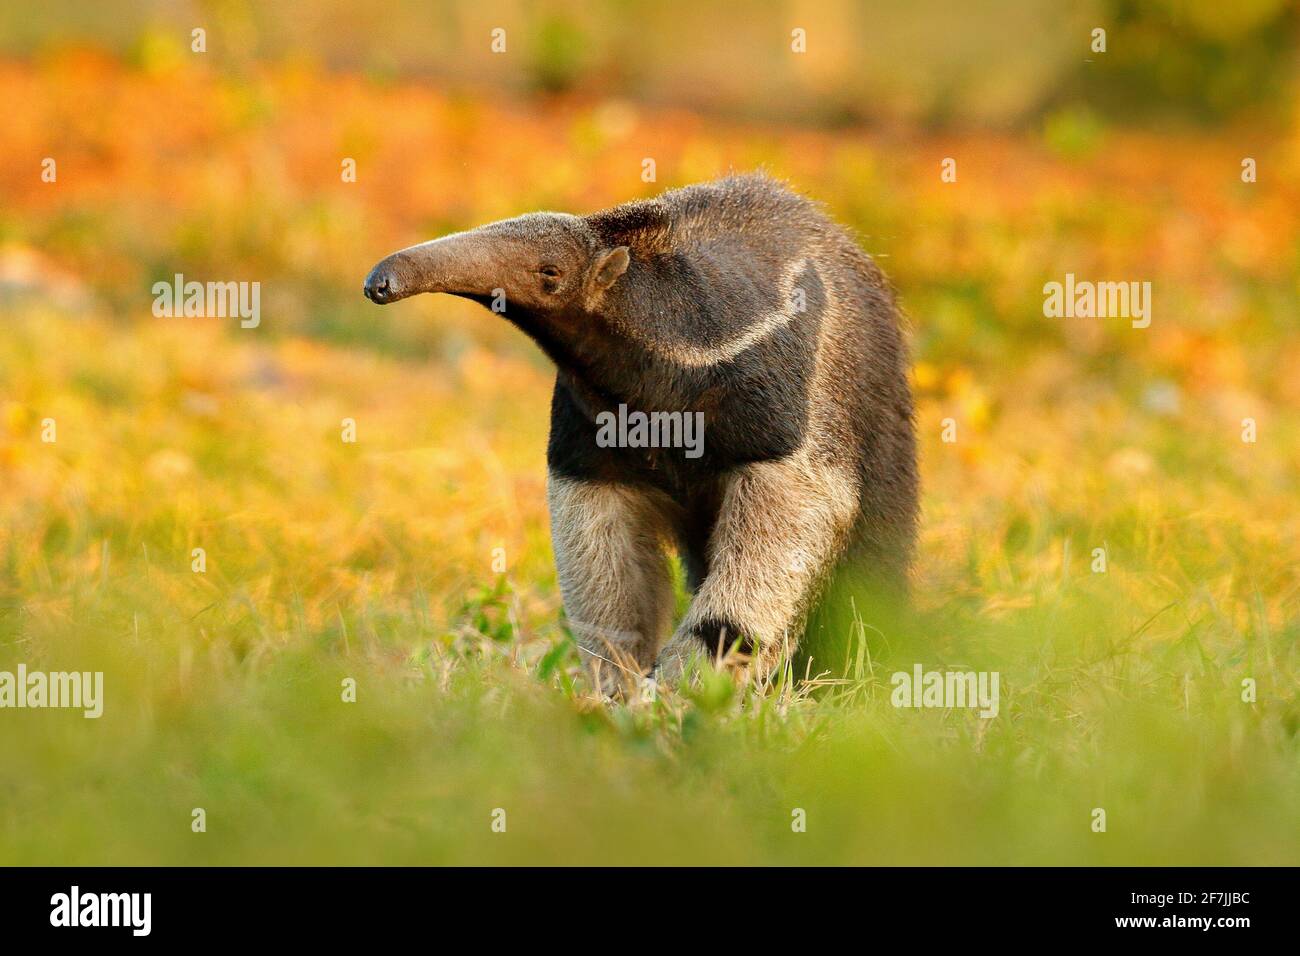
(611, 265)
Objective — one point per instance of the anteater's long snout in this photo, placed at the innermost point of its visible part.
(466, 263)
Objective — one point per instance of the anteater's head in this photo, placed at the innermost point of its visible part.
(544, 263)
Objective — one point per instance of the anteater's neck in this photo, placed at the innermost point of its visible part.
(605, 366)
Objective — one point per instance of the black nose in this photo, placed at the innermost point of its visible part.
(378, 288)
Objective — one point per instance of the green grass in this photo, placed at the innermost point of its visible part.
(373, 561)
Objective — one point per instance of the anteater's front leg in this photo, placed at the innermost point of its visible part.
(614, 574)
(780, 528)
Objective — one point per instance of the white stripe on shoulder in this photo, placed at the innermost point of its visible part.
(694, 356)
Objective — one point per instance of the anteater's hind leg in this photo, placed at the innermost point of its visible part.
(780, 528)
(614, 574)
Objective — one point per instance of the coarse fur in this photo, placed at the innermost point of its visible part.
(740, 300)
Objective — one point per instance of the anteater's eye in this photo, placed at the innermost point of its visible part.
(550, 271)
